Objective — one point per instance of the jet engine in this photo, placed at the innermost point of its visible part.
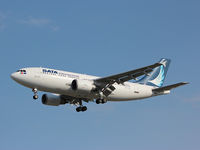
(53, 100)
(82, 86)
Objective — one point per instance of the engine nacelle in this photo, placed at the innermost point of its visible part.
(83, 86)
(53, 100)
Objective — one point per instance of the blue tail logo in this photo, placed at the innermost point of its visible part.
(159, 80)
(157, 76)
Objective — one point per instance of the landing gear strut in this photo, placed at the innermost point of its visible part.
(35, 96)
(81, 107)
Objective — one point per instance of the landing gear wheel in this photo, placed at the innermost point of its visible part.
(104, 101)
(81, 107)
(101, 101)
(98, 101)
(84, 108)
(35, 94)
(35, 97)
(78, 109)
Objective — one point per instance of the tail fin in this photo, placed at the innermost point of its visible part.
(157, 76)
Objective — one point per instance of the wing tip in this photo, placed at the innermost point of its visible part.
(185, 83)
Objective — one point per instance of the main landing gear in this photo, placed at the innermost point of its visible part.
(81, 107)
(101, 101)
(35, 96)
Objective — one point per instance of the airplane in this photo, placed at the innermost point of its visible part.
(66, 87)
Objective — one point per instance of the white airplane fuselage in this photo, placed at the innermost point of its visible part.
(73, 88)
(59, 82)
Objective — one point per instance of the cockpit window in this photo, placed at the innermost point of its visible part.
(22, 71)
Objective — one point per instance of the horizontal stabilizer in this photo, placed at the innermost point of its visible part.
(169, 87)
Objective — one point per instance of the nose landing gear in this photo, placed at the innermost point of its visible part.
(35, 96)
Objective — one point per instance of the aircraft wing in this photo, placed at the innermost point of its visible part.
(169, 87)
(105, 84)
(126, 76)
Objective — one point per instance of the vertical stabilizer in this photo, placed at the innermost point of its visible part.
(157, 76)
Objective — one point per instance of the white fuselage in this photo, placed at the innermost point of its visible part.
(59, 82)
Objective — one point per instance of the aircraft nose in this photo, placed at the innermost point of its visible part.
(13, 76)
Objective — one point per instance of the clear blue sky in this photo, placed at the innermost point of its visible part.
(100, 38)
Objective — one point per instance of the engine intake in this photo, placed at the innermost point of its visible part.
(74, 85)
